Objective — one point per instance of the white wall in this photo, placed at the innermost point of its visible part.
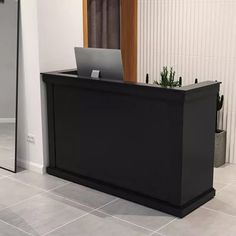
(197, 38)
(60, 25)
(60, 30)
(49, 32)
(29, 100)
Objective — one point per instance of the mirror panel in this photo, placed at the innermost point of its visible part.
(8, 82)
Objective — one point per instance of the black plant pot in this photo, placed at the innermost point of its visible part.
(220, 148)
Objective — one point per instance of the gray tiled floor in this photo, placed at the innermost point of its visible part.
(33, 204)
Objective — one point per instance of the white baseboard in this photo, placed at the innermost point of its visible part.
(7, 120)
(31, 166)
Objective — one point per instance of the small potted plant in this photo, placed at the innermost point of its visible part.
(220, 136)
(168, 79)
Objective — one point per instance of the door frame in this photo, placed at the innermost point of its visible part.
(129, 35)
(85, 22)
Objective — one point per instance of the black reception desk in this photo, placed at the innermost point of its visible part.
(147, 144)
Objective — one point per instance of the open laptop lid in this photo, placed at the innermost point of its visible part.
(107, 61)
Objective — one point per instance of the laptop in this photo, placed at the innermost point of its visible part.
(99, 63)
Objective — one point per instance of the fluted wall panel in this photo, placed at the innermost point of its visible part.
(197, 38)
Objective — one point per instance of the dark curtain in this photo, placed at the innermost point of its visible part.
(104, 23)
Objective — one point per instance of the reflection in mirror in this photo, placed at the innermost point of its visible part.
(8, 82)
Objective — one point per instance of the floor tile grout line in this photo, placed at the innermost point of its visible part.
(49, 191)
(44, 191)
(15, 227)
(20, 202)
(160, 234)
(32, 197)
(218, 211)
(68, 199)
(163, 226)
(108, 203)
(77, 218)
(67, 223)
(157, 233)
(59, 186)
(72, 201)
(34, 186)
(115, 217)
(126, 221)
(28, 185)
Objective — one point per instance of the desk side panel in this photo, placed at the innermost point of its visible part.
(198, 143)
